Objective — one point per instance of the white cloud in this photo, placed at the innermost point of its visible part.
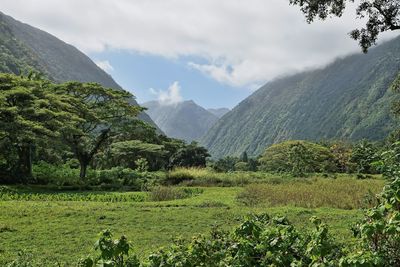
(105, 65)
(171, 96)
(243, 42)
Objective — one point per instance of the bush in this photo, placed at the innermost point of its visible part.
(114, 178)
(60, 175)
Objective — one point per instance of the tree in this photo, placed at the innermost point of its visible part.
(296, 157)
(363, 155)
(383, 15)
(244, 157)
(190, 155)
(103, 112)
(30, 111)
(128, 152)
(226, 164)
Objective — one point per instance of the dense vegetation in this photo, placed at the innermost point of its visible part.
(184, 120)
(80, 125)
(349, 99)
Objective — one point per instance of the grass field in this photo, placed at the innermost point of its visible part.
(63, 231)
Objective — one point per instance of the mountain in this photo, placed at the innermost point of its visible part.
(219, 112)
(24, 48)
(185, 120)
(348, 99)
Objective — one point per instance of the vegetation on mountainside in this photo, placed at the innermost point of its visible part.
(349, 99)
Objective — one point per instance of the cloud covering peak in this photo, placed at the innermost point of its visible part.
(171, 96)
(240, 43)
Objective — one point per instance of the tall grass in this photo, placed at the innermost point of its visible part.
(208, 177)
(165, 193)
(342, 193)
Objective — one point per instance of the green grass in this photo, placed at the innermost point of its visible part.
(64, 231)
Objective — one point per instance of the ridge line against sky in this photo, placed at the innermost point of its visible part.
(217, 52)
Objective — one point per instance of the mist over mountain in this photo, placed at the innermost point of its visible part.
(184, 120)
(348, 99)
(24, 48)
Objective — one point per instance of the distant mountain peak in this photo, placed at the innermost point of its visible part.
(185, 120)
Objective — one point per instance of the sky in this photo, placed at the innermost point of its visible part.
(215, 52)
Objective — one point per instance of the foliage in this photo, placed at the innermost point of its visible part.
(342, 153)
(142, 165)
(364, 154)
(226, 164)
(296, 157)
(113, 253)
(30, 111)
(379, 231)
(382, 16)
(389, 161)
(258, 241)
(191, 155)
(102, 111)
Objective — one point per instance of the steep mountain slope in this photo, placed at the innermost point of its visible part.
(185, 120)
(348, 99)
(23, 47)
(219, 112)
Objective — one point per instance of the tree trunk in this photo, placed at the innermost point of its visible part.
(24, 167)
(83, 170)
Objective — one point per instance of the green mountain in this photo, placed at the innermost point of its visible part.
(24, 48)
(219, 112)
(185, 120)
(348, 99)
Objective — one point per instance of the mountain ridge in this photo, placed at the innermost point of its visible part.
(24, 47)
(347, 99)
(185, 120)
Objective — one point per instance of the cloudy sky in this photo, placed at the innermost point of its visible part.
(215, 52)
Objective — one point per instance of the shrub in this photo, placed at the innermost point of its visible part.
(112, 253)
(241, 166)
(61, 175)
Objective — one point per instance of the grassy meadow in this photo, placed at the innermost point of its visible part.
(57, 226)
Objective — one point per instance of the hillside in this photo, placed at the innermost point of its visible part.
(219, 112)
(348, 99)
(23, 48)
(185, 120)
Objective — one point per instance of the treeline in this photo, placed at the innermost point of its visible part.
(79, 126)
(299, 158)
